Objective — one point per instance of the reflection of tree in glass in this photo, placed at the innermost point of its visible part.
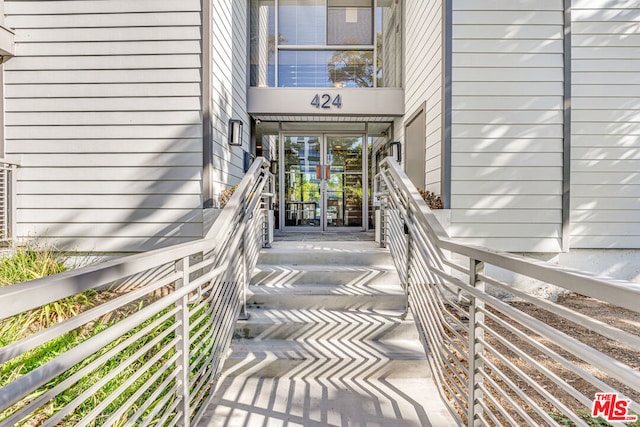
(271, 49)
(290, 154)
(380, 62)
(346, 170)
(355, 66)
(349, 156)
(300, 169)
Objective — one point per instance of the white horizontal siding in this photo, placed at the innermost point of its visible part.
(507, 123)
(423, 80)
(510, 173)
(111, 62)
(114, 187)
(110, 90)
(605, 183)
(228, 88)
(167, 145)
(92, 19)
(522, 216)
(172, 104)
(103, 110)
(87, 215)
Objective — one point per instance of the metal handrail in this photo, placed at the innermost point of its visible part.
(165, 322)
(478, 344)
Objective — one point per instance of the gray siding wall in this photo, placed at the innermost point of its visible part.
(423, 80)
(605, 181)
(507, 123)
(229, 88)
(103, 111)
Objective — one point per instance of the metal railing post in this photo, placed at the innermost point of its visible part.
(407, 279)
(244, 315)
(182, 346)
(268, 212)
(384, 210)
(11, 195)
(5, 203)
(476, 335)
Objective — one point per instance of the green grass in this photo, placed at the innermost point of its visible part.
(29, 262)
(38, 357)
(34, 262)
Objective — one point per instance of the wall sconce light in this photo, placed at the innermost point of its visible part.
(235, 132)
(396, 150)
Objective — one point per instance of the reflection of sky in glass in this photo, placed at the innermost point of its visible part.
(304, 68)
(302, 22)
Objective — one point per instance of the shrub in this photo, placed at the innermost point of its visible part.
(432, 199)
(225, 195)
(33, 261)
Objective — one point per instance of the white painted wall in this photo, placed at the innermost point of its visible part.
(605, 179)
(507, 123)
(423, 79)
(103, 112)
(229, 88)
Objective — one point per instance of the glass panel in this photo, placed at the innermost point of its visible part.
(344, 187)
(263, 43)
(389, 45)
(302, 22)
(302, 188)
(350, 68)
(342, 68)
(349, 25)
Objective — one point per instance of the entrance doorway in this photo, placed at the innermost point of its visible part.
(323, 181)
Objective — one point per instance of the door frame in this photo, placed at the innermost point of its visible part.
(322, 137)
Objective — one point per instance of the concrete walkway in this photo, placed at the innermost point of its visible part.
(326, 345)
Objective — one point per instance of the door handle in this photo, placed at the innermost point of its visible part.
(323, 171)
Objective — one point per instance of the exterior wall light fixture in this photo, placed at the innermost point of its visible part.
(235, 132)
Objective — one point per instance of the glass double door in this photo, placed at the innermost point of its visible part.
(323, 181)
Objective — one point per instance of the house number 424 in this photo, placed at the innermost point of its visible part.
(326, 101)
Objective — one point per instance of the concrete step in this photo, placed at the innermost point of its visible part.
(327, 358)
(299, 325)
(359, 277)
(322, 298)
(326, 345)
(325, 253)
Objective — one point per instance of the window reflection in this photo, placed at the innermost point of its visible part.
(350, 26)
(312, 68)
(262, 43)
(302, 22)
(332, 43)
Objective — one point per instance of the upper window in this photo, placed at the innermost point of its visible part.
(302, 22)
(350, 23)
(324, 43)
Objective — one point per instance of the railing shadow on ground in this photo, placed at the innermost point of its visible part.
(331, 372)
(498, 362)
(149, 351)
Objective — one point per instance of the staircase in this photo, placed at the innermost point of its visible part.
(326, 345)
